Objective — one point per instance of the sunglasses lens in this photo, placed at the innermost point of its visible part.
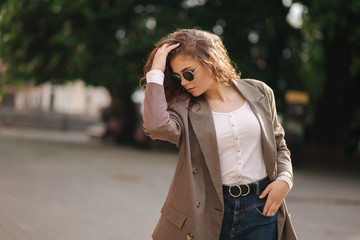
(176, 77)
(188, 76)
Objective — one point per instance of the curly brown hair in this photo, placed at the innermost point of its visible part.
(205, 47)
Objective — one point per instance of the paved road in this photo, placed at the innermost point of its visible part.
(62, 186)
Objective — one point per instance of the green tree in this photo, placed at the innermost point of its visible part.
(102, 42)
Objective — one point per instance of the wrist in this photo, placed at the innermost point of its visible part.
(286, 177)
(156, 68)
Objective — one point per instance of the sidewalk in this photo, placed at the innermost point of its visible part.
(62, 186)
(325, 205)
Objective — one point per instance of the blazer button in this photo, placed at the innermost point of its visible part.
(197, 203)
(195, 170)
(189, 236)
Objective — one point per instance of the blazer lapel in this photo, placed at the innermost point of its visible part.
(203, 125)
(261, 108)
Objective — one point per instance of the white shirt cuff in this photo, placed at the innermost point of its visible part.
(155, 76)
(286, 178)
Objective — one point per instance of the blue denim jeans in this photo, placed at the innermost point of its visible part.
(244, 220)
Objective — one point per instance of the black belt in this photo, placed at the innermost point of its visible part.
(246, 189)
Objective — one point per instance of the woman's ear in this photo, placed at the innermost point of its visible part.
(213, 63)
(212, 68)
(212, 60)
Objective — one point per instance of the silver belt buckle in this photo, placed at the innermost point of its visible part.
(240, 193)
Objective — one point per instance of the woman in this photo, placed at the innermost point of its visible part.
(234, 169)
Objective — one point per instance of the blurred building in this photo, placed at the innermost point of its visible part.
(73, 98)
(71, 106)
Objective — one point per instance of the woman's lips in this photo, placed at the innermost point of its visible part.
(190, 89)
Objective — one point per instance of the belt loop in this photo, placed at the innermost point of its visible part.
(257, 187)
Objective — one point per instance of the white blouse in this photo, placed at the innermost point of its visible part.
(238, 136)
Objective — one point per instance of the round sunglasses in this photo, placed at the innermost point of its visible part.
(188, 75)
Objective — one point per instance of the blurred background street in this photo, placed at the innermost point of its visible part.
(74, 160)
(57, 185)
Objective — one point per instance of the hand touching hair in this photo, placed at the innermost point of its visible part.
(205, 47)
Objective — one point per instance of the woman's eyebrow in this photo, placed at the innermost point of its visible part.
(187, 68)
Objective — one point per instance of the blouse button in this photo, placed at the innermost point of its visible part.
(195, 170)
(189, 236)
(197, 203)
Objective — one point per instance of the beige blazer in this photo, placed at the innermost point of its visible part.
(194, 206)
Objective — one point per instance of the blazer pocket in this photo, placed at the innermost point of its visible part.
(173, 216)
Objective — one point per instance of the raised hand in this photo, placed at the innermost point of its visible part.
(161, 54)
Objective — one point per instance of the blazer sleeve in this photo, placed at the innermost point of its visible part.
(283, 153)
(160, 121)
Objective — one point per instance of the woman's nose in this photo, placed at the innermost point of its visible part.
(184, 81)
